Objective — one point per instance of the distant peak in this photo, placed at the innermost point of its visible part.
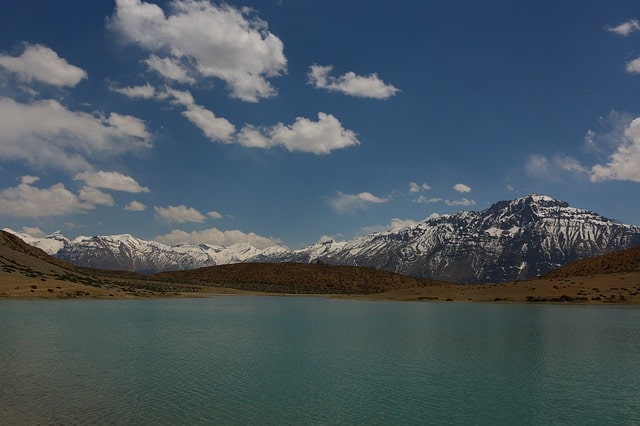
(541, 200)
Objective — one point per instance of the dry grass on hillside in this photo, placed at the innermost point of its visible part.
(617, 262)
(296, 278)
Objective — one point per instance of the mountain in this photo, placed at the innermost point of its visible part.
(13, 249)
(510, 240)
(128, 253)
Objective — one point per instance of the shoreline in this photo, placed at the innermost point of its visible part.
(612, 289)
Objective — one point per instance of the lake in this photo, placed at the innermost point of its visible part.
(308, 360)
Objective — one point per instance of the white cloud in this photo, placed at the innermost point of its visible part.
(343, 203)
(510, 188)
(538, 166)
(179, 214)
(94, 196)
(25, 200)
(33, 231)
(422, 200)
(214, 215)
(45, 134)
(304, 135)
(216, 237)
(590, 140)
(633, 66)
(169, 68)
(553, 168)
(461, 187)
(330, 238)
(462, 202)
(111, 180)
(135, 206)
(569, 164)
(414, 187)
(145, 91)
(214, 41)
(625, 28)
(215, 128)
(624, 163)
(369, 86)
(40, 63)
(127, 125)
(28, 180)
(395, 225)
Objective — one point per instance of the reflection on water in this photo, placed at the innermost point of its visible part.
(311, 360)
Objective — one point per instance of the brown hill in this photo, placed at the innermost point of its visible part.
(12, 246)
(613, 263)
(296, 278)
(28, 272)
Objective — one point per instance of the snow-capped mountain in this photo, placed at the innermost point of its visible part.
(509, 240)
(128, 253)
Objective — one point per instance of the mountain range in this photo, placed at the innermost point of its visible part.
(510, 240)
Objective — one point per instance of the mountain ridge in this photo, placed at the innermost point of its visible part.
(513, 239)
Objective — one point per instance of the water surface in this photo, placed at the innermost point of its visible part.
(300, 360)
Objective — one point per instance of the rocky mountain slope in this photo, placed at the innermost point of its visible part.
(128, 253)
(510, 240)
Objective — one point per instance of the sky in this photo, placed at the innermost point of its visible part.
(292, 122)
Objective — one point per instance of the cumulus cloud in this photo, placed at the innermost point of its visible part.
(625, 28)
(590, 140)
(414, 187)
(422, 200)
(461, 187)
(135, 206)
(145, 91)
(40, 63)
(111, 180)
(330, 238)
(395, 225)
(170, 69)
(215, 128)
(624, 163)
(538, 166)
(370, 86)
(214, 215)
(216, 237)
(633, 66)
(45, 134)
(569, 164)
(461, 202)
(179, 214)
(213, 41)
(94, 196)
(553, 168)
(127, 125)
(28, 180)
(26, 200)
(33, 231)
(343, 203)
(304, 135)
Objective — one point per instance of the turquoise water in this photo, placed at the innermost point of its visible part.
(297, 360)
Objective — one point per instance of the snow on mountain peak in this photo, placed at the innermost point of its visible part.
(509, 240)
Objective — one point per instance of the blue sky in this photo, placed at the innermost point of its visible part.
(282, 121)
